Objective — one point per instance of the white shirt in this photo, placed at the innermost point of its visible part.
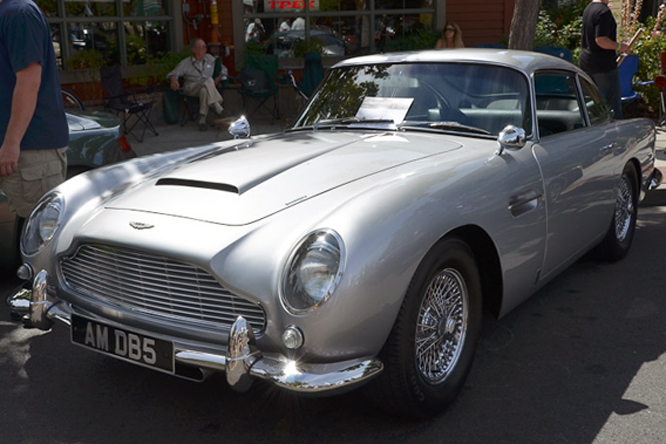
(299, 23)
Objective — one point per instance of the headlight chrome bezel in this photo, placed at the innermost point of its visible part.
(325, 241)
(33, 239)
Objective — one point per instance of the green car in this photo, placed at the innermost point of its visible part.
(96, 139)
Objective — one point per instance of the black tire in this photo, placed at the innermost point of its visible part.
(421, 381)
(620, 234)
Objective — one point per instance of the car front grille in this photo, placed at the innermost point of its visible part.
(157, 286)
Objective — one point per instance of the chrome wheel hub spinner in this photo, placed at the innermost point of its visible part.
(441, 326)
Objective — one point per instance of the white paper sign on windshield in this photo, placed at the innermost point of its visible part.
(394, 108)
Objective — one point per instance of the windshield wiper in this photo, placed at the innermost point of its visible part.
(349, 121)
(456, 126)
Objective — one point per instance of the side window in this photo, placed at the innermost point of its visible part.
(597, 108)
(558, 108)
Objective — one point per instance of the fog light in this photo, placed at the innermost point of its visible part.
(292, 337)
(24, 272)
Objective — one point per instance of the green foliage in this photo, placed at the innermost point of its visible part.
(549, 33)
(560, 26)
(648, 49)
(87, 59)
(156, 68)
(304, 47)
(136, 50)
(422, 39)
(253, 47)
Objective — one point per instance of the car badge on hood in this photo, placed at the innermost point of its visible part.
(140, 225)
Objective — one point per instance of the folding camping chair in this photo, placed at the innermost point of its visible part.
(313, 73)
(258, 84)
(125, 102)
(627, 71)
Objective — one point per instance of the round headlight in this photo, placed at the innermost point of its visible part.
(313, 271)
(42, 224)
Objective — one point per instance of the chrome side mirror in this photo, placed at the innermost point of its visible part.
(511, 137)
(240, 129)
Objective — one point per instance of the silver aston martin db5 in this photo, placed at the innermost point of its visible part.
(360, 246)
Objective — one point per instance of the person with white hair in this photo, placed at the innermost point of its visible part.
(197, 73)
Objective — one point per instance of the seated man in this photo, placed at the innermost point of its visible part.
(197, 72)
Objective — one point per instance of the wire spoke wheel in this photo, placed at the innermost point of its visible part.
(624, 210)
(431, 347)
(620, 234)
(441, 326)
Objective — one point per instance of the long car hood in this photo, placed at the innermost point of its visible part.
(260, 177)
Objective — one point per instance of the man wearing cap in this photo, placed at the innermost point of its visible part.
(197, 72)
(254, 31)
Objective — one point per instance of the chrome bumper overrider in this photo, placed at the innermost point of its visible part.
(242, 362)
(655, 179)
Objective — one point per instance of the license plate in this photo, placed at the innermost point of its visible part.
(123, 344)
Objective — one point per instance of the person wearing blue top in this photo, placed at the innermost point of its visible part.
(34, 133)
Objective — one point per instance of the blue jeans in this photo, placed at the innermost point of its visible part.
(609, 85)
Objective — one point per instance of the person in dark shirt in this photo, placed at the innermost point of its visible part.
(34, 133)
(598, 52)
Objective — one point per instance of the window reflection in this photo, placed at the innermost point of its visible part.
(89, 34)
(48, 7)
(359, 32)
(55, 37)
(138, 8)
(101, 37)
(90, 8)
(145, 41)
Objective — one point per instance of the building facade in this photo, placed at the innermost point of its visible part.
(138, 32)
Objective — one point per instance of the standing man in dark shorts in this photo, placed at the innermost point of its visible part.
(33, 127)
(598, 56)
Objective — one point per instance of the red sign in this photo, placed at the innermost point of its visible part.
(290, 5)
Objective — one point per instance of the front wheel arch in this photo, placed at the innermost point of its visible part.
(442, 309)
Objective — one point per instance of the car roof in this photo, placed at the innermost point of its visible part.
(526, 61)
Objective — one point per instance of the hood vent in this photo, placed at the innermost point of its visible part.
(198, 184)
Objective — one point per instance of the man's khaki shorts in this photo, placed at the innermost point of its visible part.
(38, 172)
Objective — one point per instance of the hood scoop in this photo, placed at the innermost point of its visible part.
(198, 184)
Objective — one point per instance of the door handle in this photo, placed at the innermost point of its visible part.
(524, 203)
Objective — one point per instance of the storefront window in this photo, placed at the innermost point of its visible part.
(99, 36)
(138, 8)
(336, 28)
(90, 8)
(145, 40)
(48, 7)
(96, 29)
(55, 37)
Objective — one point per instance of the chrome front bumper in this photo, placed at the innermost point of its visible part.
(242, 362)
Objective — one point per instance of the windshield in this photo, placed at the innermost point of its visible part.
(461, 97)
